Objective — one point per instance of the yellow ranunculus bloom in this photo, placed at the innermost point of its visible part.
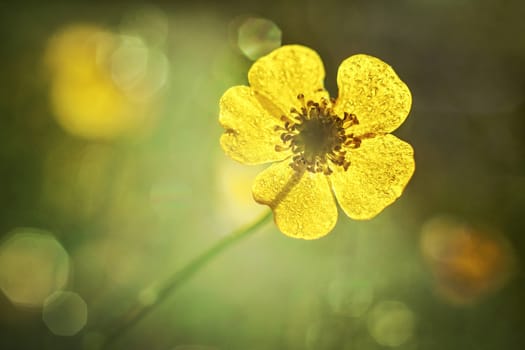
(319, 145)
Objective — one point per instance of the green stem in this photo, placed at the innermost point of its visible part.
(139, 311)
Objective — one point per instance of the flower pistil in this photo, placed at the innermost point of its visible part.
(317, 136)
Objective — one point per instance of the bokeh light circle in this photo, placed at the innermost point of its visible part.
(391, 323)
(147, 21)
(65, 313)
(34, 265)
(139, 71)
(258, 37)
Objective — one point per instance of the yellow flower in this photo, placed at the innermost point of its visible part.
(321, 147)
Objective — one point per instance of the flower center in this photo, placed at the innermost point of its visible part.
(317, 136)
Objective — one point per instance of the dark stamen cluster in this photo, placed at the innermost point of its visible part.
(316, 135)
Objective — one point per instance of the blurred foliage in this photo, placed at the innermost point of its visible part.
(130, 207)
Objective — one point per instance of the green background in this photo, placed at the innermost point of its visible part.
(146, 205)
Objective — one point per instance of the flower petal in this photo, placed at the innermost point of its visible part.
(379, 171)
(371, 90)
(250, 137)
(302, 202)
(287, 72)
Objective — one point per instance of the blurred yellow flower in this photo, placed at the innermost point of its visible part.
(95, 90)
(319, 145)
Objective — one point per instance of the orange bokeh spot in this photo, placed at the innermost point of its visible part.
(466, 263)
